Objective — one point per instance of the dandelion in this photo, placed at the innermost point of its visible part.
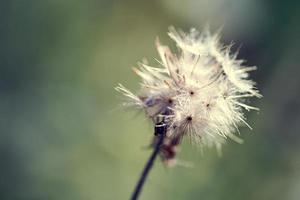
(198, 93)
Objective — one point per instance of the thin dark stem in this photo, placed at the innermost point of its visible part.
(138, 188)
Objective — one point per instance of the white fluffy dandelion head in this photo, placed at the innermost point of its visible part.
(200, 92)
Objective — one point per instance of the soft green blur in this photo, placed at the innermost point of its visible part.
(64, 135)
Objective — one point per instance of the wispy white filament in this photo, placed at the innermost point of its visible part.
(200, 92)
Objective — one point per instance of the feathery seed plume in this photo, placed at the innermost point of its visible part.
(199, 93)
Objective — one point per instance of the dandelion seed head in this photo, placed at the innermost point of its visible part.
(200, 91)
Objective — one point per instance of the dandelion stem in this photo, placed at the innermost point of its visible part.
(160, 134)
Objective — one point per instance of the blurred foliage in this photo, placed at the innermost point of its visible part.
(64, 136)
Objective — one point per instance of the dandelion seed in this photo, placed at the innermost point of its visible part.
(203, 71)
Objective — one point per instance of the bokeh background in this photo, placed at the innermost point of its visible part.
(64, 136)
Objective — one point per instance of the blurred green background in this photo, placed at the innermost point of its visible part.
(64, 136)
